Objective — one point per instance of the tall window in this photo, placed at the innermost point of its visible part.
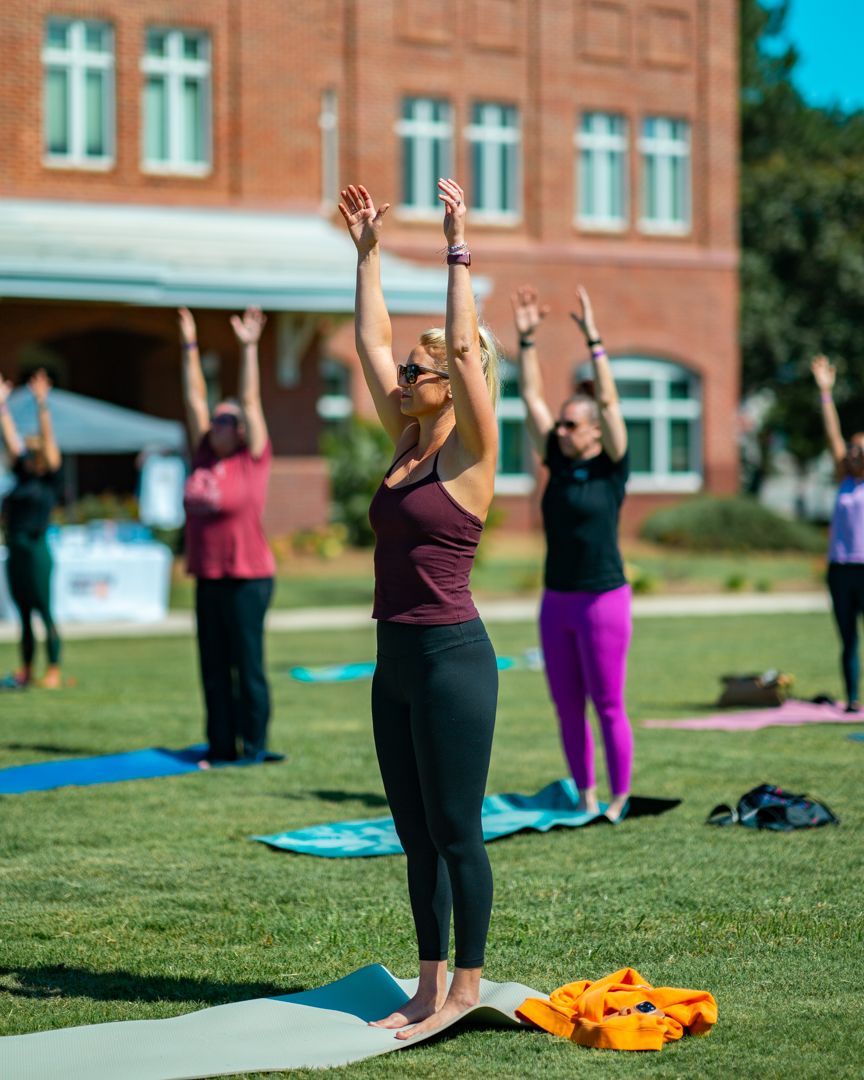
(328, 124)
(602, 147)
(78, 92)
(665, 148)
(494, 138)
(661, 403)
(176, 66)
(335, 405)
(515, 474)
(426, 131)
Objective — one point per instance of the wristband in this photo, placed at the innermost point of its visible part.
(526, 343)
(453, 249)
(461, 258)
(825, 395)
(190, 345)
(597, 350)
(594, 341)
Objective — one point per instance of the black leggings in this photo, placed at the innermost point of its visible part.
(28, 568)
(846, 583)
(433, 709)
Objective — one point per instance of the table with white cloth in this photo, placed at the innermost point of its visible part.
(101, 579)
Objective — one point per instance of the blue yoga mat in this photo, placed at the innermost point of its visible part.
(109, 769)
(530, 660)
(554, 805)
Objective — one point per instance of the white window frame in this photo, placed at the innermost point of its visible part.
(491, 135)
(425, 130)
(174, 68)
(595, 150)
(664, 148)
(659, 409)
(328, 125)
(332, 407)
(77, 60)
(510, 410)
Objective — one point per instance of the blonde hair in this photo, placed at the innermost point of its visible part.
(434, 341)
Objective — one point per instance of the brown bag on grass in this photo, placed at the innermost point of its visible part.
(760, 691)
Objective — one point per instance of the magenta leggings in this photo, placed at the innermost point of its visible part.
(585, 637)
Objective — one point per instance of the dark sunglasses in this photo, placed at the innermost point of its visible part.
(224, 419)
(409, 372)
(568, 425)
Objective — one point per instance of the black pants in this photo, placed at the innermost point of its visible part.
(433, 708)
(230, 615)
(846, 583)
(28, 569)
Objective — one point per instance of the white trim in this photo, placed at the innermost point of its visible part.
(173, 70)
(595, 151)
(514, 483)
(334, 406)
(77, 61)
(494, 139)
(660, 483)
(422, 132)
(666, 150)
(328, 125)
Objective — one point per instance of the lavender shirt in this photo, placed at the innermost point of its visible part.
(847, 525)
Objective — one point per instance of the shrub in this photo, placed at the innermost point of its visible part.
(358, 455)
(739, 523)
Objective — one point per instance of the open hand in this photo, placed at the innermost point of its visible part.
(39, 385)
(363, 220)
(248, 327)
(584, 317)
(186, 322)
(824, 373)
(455, 210)
(527, 310)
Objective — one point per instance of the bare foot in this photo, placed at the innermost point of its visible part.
(617, 809)
(451, 1010)
(51, 680)
(417, 1009)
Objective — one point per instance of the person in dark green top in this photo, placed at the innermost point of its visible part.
(26, 514)
(585, 615)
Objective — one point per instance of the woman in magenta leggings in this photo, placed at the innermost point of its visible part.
(585, 614)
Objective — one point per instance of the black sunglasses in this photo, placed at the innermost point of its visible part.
(568, 425)
(225, 418)
(409, 372)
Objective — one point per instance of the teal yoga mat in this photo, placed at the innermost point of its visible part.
(555, 805)
(530, 660)
(315, 1029)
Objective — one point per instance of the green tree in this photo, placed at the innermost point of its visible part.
(802, 225)
(358, 455)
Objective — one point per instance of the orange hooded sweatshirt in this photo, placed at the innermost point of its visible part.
(589, 1013)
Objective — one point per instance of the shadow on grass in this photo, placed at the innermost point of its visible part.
(60, 981)
(49, 748)
(366, 798)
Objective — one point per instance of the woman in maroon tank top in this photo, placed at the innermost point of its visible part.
(435, 688)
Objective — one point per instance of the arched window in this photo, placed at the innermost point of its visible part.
(662, 405)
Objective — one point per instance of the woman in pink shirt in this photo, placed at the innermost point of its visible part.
(846, 546)
(226, 549)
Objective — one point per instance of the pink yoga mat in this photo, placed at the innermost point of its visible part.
(790, 712)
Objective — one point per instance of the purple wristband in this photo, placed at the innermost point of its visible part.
(190, 344)
(461, 258)
(826, 397)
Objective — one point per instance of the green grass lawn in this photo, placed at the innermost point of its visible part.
(146, 899)
(513, 566)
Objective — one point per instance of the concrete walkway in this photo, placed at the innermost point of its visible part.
(182, 623)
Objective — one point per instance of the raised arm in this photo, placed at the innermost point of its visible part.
(825, 375)
(528, 315)
(194, 387)
(11, 438)
(476, 424)
(248, 330)
(372, 331)
(39, 386)
(613, 430)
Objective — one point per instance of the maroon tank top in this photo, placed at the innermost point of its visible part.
(424, 550)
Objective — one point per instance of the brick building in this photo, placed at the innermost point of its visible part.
(160, 152)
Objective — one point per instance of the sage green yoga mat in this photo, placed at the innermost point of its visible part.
(315, 1029)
